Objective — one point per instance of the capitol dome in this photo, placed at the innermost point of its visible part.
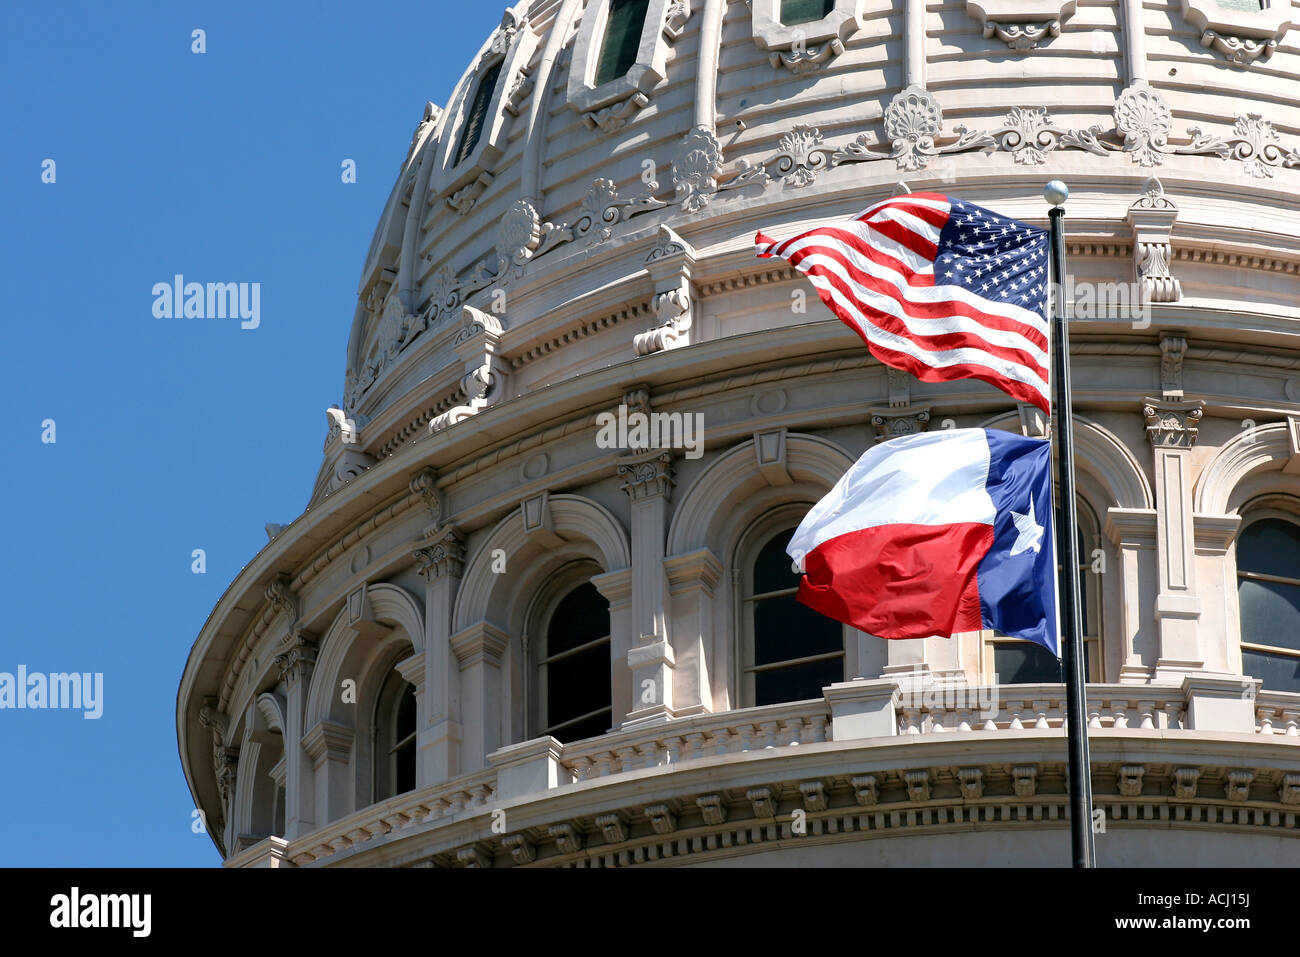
(494, 638)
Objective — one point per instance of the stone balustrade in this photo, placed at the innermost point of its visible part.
(857, 709)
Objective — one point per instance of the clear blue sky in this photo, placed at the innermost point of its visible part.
(172, 434)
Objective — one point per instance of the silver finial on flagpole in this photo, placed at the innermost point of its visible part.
(1056, 192)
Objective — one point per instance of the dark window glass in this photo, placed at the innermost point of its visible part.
(1278, 672)
(581, 617)
(477, 118)
(622, 39)
(578, 681)
(1023, 662)
(1270, 546)
(797, 682)
(805, 11)
(404, 755)
(279, 812)
(785, 630)
(1270, 613)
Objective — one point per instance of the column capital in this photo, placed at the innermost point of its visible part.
(296, 655)
(1171, 424)
(648, 475)
(442, 554)
(328, 740)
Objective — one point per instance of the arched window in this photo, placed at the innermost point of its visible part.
(572, 663)
(394, 737)
(1268, 593)
(1024, 662)
(622, 41)
(794, 12)
(790, 652)
(477, 118)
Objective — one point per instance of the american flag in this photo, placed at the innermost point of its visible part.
(940, 288)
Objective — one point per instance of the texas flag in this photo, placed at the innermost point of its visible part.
(934, 534)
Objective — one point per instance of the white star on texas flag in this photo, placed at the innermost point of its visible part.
(1030, 532)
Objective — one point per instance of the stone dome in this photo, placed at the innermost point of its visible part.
(572, 233)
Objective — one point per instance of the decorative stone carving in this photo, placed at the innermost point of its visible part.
(602, 210)
(1129, 780)
(521, 850)
(696, 166)
(763, 801)
(1172, 424)
(432, 114)
(442, 554)
(424, 483)
(1239, 36)
(1172, 350)
(612, 826)
(1020, 24)
(670, 265)
(297, 656)
(1236, 787)
(1151, 217)
(1288, 792)
(648, 477)
(487, 375)
(280, 593)
(1024, 780)
(814, 795)
(711, 806)
(806, 58)
(661, 818)
(895, 422)
(918, 785)
(804, 47)
(472, 856)
(519, 91)
(1256, 145)
(866, 789)
(1185, 783)
(567, 837)
(971, 781)
(463, 200)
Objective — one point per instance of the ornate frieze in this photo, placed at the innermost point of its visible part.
(1172, 424)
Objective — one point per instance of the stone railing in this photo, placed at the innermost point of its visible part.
(876, 708)
(466, 795)
(1278, 712)
(936, 707)
(685, 739)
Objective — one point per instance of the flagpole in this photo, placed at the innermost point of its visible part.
(1072, 651)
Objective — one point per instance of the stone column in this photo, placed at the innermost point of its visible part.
(296, 660)
(692, 579)
(328, 745)
(648, 482)
(616, 586)
(441, 557)
(1133, 532)
(480, 651)
(1171, 429)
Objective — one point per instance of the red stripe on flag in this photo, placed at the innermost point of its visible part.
(900, 581)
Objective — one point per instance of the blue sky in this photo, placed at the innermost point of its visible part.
(172, 434)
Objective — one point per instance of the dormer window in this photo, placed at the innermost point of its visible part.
(622, 39)
(474, 123)
(794, 12)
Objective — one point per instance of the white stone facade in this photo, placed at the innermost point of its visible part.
(594, 250)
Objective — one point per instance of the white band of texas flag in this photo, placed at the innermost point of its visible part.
(938, 287)
(934, 534)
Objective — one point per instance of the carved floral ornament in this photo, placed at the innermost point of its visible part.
(913, 126)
